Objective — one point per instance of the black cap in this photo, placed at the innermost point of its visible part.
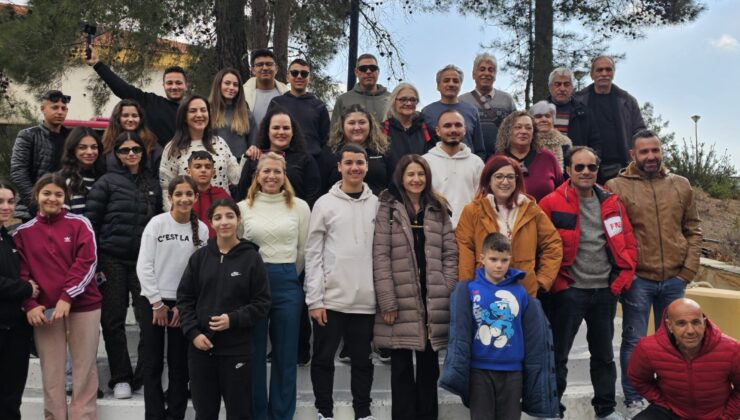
(56, 96)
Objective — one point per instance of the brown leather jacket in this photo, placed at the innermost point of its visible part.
(396, 276)
(664, 220)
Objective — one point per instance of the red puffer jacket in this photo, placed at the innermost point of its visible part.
(699, 389)
(562, 206)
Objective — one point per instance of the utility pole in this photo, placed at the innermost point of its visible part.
(354, 24)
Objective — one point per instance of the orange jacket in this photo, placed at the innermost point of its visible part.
(536, 246)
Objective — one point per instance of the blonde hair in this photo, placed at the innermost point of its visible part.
(390, 109)
(240, 118)
(375, 141)
(255, 187)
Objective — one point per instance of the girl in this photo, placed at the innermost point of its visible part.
(166, 245)
(230, 113)
(82, 165)
(223, 293)
(193, 131)
(129, 116)
(57, 249)
(15, 333)
(277, 222)
(415, 270)
(119, 206)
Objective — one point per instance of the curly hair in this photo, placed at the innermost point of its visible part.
(375, 141)
(503, 139)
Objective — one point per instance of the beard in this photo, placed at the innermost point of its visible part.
(658, 165)
(450, 142)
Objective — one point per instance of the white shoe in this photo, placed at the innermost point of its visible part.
(615, 415)
(367, 418)
(321, 417)
(122, 391)
(635, 407)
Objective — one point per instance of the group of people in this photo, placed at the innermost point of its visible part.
(252, 215)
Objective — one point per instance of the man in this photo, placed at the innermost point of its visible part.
(661, 207)
(367, 92)
(262, 87)
(455, 169)
(449, 80)
(493, 105)
(340, 292)
(616, 113)
(688, 369)
(572, 118)
(38, 150)
(160, 111)
(599, 259)
(309, 111)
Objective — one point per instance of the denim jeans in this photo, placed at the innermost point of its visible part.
(597, 307)
(636, 305)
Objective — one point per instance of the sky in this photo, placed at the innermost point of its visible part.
(693, 69)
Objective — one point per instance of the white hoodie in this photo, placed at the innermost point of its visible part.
(339, 252)
(455, 177)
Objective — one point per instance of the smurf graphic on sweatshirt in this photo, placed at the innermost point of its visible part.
(497, 309)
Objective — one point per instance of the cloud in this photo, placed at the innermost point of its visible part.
(725, 42)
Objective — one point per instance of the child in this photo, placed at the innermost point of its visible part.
(200, 168)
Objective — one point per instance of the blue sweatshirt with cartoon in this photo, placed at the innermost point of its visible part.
(498, 343)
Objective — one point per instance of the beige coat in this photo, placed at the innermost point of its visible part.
(396, 277)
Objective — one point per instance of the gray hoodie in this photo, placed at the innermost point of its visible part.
(339, 252)
(373, 102)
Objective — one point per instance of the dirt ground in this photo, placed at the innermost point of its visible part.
(720, 226)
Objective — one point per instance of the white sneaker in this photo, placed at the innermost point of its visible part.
(122, 391)
(367, 418)
(321, 417)
(635, 407)
(615, 415)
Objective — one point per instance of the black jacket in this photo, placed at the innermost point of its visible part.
(582, 129)
(215, 284)
(417, 139)
(13, 290)
(302, 172)
(311, 115)
(160, 111)
(379, 170)
(119, 207)
(31, 159)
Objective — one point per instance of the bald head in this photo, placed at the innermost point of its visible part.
(686, 323)
(681, 306)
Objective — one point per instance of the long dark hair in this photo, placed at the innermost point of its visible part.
(115, 128)
(297, 142)
(429, 195)
(125, 136)
(71, 170)
(181, 140)
(51, 178)
(184, 179)
(7, 185)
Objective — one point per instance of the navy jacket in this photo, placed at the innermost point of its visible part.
(539, 396)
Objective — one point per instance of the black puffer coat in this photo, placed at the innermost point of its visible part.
(119, 206)
(13, 290)
(417, 139)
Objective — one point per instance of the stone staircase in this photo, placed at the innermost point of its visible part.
(577, 398)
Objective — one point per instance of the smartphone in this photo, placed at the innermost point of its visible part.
(100, 278)
(170, 314)
(48, 313)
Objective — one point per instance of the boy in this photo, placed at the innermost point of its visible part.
(200, 168)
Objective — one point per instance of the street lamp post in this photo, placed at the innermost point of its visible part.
(578, 74)
(696, 119)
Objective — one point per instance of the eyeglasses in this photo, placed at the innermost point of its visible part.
(407, 100)
(538, 116)
(501, 178)
(128, 150)
(592, 167)
(368, 68)
(264, 64)
(302, 73)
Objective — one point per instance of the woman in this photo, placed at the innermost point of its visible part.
(119, 206)
(193, 132)
(57, 250)
(82, 165)
(166, 245)
(414, 270)
(129, 116)
(276, 221)
(518, 139)
(543, 113)
(404, 126)
(15, 333)
(357, 125)
(232, 120)
(280, 134)
(222, 295)
(501, 206)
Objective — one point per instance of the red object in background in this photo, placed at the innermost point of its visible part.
(97, 123)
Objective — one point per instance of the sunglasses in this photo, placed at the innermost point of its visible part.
(57, 96)
(368, 68)
(592, 167)
(302, 73)
(127, 150)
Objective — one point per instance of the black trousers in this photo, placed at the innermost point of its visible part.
(655, 412)
(357, 331)
(304, 335)
(495, 395)
(214, 377)
(15, 346)
(156, 406)
(414, 396)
